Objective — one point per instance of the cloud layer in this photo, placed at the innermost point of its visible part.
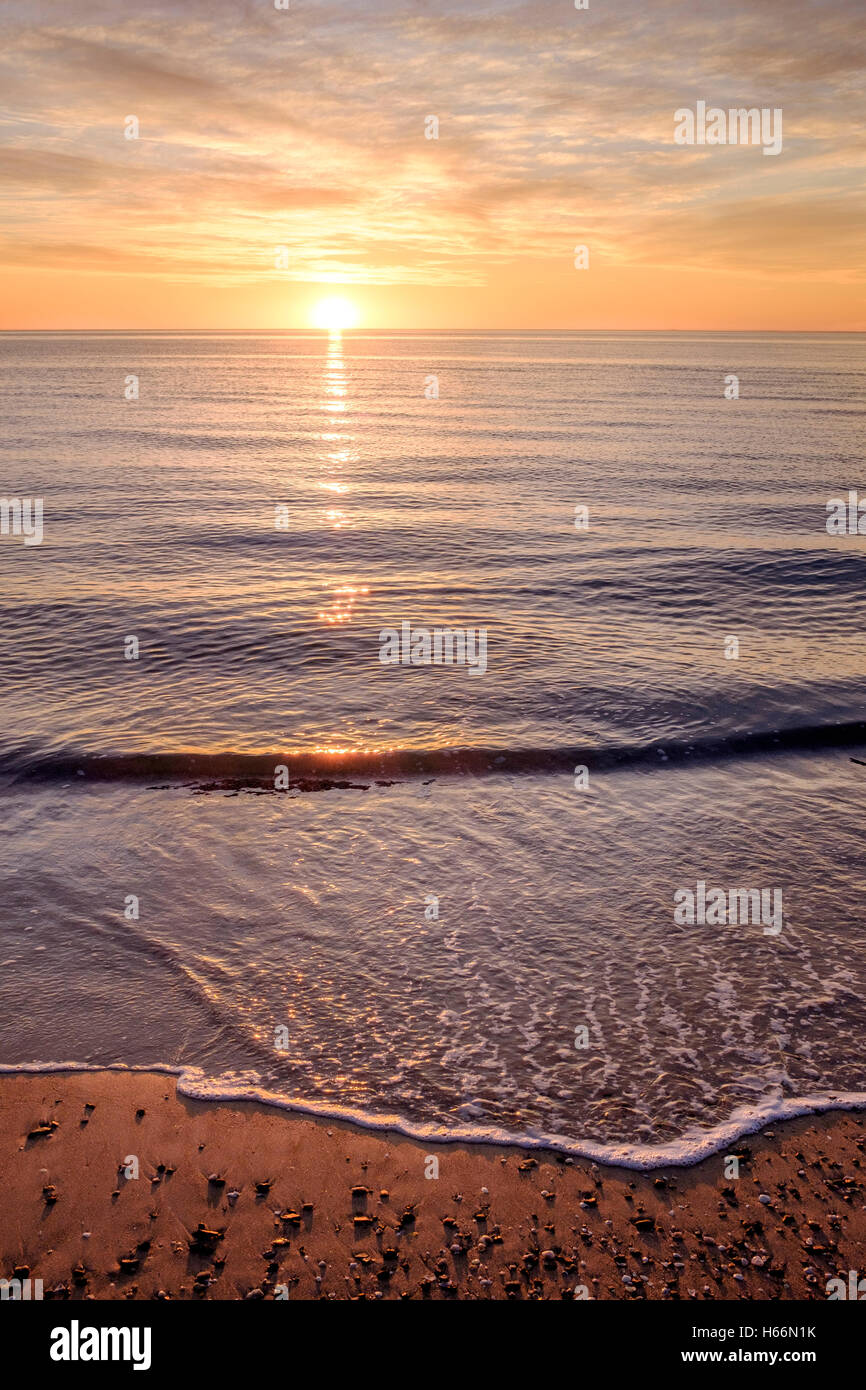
(305, 129)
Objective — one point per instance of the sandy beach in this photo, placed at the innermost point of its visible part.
(244, 1200)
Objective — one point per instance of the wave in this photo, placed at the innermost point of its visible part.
(683, 1152)
(326, 768)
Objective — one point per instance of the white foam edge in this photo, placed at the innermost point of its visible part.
(691, 1148)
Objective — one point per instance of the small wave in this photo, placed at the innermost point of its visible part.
(322, 769)
(690, 1148)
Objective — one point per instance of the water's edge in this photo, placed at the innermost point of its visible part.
(690, 1149)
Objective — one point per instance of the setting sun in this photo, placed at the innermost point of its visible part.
(334, 314)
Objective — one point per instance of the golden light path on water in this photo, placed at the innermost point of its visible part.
(339, 454)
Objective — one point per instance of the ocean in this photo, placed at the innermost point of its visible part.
(456, 914)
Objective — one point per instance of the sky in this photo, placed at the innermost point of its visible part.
(304, 129)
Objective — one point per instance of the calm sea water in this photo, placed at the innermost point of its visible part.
(312, 911)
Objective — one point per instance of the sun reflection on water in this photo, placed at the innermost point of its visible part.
(345, 598)
(335, 460)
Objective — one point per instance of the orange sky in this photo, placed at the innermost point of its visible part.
(305, 129)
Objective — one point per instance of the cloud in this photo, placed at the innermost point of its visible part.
(305, 128)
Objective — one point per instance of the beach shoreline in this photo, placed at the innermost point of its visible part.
(325, 1208)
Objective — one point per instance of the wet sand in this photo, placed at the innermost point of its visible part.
(304, 1208)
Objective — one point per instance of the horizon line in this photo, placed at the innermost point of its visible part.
(364, 332)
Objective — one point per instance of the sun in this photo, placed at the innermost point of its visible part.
(334, 314)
